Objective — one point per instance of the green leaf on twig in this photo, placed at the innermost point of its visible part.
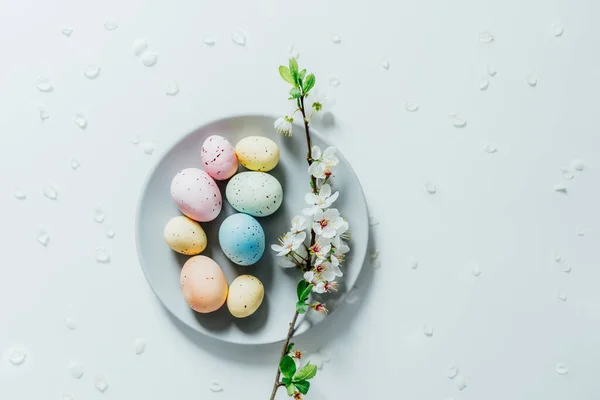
(289, 348)
(286, 75)
(301, 307)
(285, 381)
(300, 289)
(305, 373)
(295, 93)
(302, 74)
(291, 389)
(302, 386)
(310, 83)
(306, 292)
(287, 367)
(293, 66)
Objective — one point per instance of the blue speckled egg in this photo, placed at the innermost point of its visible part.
(242, 239)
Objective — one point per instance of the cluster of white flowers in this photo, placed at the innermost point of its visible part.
(323, 256)
(316, 104)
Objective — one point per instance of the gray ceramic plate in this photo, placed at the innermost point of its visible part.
(161, 265)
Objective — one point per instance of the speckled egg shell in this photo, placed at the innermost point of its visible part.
(196, 194)
(203, 284)
(242, 239)
(257, 153)
(255, 193)
(246, 294)
(218, 157)
(185, 236)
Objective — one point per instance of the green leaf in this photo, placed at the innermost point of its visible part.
(286, 75)
(295, 93)
(306, 292)
(294, 70)
(300, 289)
(301, 307)
(310, 83)
(285, 381)
(289, 348)
(302, 74)
(307, 372)
(287, 367)
(291, 389)
(302, 386)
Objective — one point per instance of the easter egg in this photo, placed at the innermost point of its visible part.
(203, 284)
(255, 193)
(257, 153)
(196, 194)
(242, 239)
(185, 236)
(218, 157)
(246, 294)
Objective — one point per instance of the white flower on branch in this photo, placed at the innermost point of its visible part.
(289, 242)
(339, 253)
(326, 223)
(319, 201)
(317, 102)
(321, 247)
(323, 163)
(299, 223)
(293, 258)
(283, 125)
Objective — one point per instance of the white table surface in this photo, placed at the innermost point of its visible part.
(506, 330)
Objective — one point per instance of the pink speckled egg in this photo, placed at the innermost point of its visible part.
(196, 194)
(218, 157)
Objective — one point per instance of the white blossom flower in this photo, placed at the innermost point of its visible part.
(283, 125)
(317, 102)
(323, 163)
(320, 308)
(339, 253)
(289, 242)
(325, 287)
(327, 271)
(299, 223)
(321, 247)
(319, 201)
(327, 223)
(294, 257)
(310, 276)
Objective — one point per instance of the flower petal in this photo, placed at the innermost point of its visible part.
(325, 190)
(330, 151)
(316, 153)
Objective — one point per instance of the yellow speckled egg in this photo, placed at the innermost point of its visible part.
(257, 153)
(203, 284)
(185, 236)
(246, 294)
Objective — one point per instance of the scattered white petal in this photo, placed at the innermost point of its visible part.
(91, 72)
(149, 58)
(215, 387)
(101, 383)
(336, 39)
(172, 88)
(484, 84)
(139, 345)
(135, 140)
(411, 106)
(430, 188)
(532, 80)
(111, 25)
(209, 40)
(110, 233)
(80, 120)
(148, 148)
(476, 271)
(67, 32)
(562, 296)
(561, 369)
(557, 257)
(239, 38)
(427, 330)
(579, 165)
(139, 46)
(567, 268)
(490, 149)
(461, 383)
(375, 262)
(75, 164)
(558, 30)
(70, 323)
(102, 255)
(452, 371)
(43, 238)
(43, 113)
(457, 120)
(567, 173)
(18, 356)
(19, 194)
(486, 37)
(491, 71)
(67, 396)
(44, 85)
(319, 358)
(50, 192)
(560, 188)
(98, 215)
(76, 369)
(385, 64)
(579, 230)
(353, 295)
(373, 221)
(334, 81)
(293, 53)
(414, 264)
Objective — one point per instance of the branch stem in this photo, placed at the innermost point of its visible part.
(278, 384)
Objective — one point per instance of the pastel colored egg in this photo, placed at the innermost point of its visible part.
(257, 153)
(255, 193)
(203, 284)
(196, 194)
(246, 294)
(218, 157)
(185, 236)
(242, 239)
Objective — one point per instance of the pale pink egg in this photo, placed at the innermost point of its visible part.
(203, 284)
(196, 194)
(218, 157)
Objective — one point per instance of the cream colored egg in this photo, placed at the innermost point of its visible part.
(185, 236)
(246, 294)
(257, 153)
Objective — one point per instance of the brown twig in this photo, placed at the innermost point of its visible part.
(283, 353)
